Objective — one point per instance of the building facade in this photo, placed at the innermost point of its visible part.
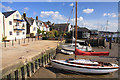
(15, 26)
(1, 26)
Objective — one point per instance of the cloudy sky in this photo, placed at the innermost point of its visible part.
(93, 15)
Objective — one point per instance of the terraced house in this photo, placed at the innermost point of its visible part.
(15, 26)
(33, 25)
(1, 26)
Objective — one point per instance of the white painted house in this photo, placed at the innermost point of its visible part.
(15, 26)
(1, 26)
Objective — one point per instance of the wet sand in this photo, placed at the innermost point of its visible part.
(56, 73)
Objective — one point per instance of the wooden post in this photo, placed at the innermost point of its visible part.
(19, 41)
(24, 40)
(5, 43)
(110, 42)
(12, 43)
(32, 39)
(28, 39)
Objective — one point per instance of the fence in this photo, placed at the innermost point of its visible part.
(19, 41)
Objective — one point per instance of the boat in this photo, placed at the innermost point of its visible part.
(86, 66)
(70, 48)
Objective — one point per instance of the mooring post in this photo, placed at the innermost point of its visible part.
(24, 40)
(110, 42)
(28, 39)
(19, 73)
(5, 43)
(19, 41)
(32, 39)
(12, 42)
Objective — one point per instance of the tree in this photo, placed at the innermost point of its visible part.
(38, 31)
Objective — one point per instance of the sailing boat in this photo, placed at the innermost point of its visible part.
(84, 65)
(69, 48)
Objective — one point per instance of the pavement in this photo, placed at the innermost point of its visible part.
(12, 55)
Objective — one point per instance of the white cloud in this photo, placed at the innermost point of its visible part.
(78, 19)
(110, 15)
(55, 16)
(88, 10)
(26, 9)
(71, 4)
(6, 8)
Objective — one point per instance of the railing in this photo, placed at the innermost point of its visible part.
(9, 43)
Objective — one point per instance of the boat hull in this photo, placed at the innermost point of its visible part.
(82, 70)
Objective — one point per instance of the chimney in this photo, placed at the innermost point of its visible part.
(24, 15)
(36, 17)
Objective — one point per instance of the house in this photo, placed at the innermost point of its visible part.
(94, 33)
(1, 26)
(62, 27)
(33, 25)
(83, 33)
(15, 25)
(105, 33)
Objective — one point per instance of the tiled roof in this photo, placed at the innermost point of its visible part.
(6, 14)
(45, 25)
(30, 20)
(83, 29)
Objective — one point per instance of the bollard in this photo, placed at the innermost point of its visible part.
(19, 41)
(5, 43)
(12, 43)
(28, 39)
(24, 40)
(32, 39)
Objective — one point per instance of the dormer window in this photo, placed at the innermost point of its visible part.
(17, 15)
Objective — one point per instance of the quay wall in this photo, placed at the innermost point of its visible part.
(27, 67)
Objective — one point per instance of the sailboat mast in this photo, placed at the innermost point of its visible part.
(76, 29)
(73, 27)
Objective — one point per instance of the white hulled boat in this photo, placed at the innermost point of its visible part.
(85, 66)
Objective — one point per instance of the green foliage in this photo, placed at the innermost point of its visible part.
(38, 31)
(4, 38)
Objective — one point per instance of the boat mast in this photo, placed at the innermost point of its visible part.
(73, 27)
(76, 29)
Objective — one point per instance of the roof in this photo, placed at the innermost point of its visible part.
(45, 25)
(63, 24)
(7, 14)
(38, 21)
(83, 29)
(30, 20)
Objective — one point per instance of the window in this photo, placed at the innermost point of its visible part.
(34, 29)
(17, 15)
(23, 25)
(17, 33)
(10, 22)
(23, 32)
(17, 24)
(10, 32)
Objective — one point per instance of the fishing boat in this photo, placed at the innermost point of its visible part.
(84, 65)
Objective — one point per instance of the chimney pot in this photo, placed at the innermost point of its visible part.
(36, 17)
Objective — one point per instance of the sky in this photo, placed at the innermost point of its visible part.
(93, 15)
